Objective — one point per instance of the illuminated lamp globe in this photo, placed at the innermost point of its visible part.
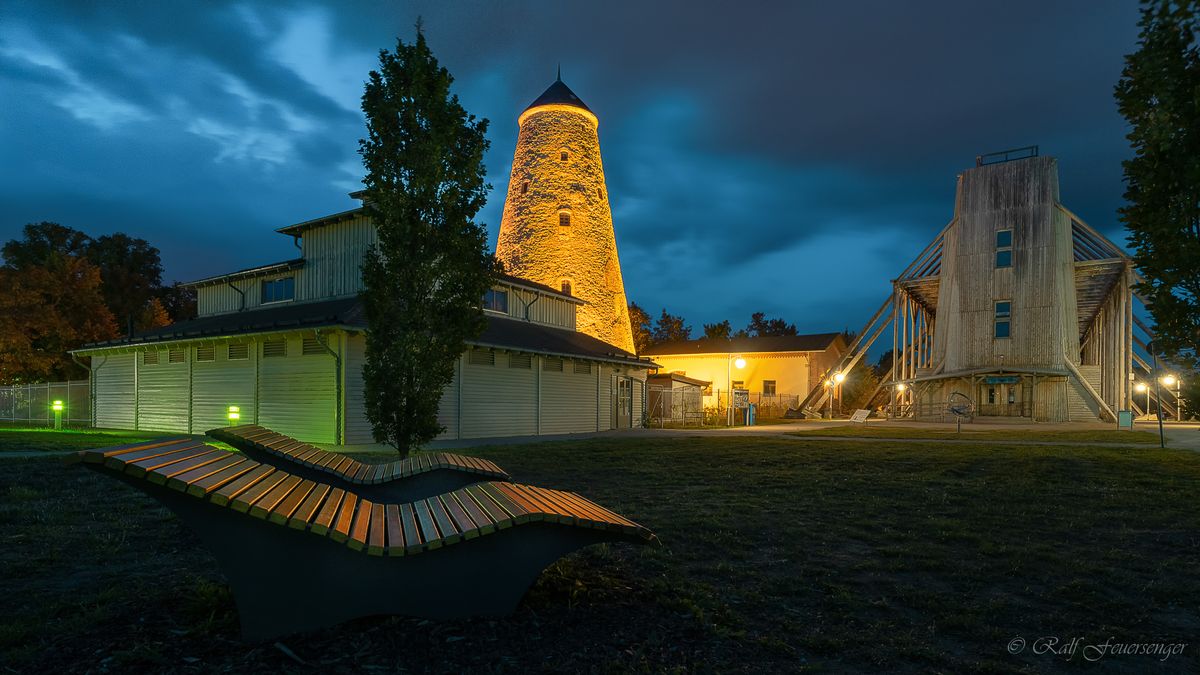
(1140, 387)
(839, 377)
(1169, 381)
(739, 362)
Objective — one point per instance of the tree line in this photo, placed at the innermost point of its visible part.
(64, 288)
(672, 328)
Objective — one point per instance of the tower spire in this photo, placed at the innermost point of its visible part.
(559, 78)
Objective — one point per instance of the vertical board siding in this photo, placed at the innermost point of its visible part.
(358, 428)
(542, 308)
(498, 400)
(216, 385)
(298, 394)
(163, 394)
(568, 400)
(222, 299)
(114, 404)
(333, 257)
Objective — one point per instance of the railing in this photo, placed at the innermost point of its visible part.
(1006, 155)
(32, 403)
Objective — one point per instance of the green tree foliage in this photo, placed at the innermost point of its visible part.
(1159, 95)
(640, 321)
(44, 244)
(670, 328)
(46, 310)
(424, 284)
(761, 326)
(130, 278)
(179, 302)
(718, 331)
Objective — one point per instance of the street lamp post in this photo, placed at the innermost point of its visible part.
(57, 407)
(838, 378)
(730, 362)
(1142, 388)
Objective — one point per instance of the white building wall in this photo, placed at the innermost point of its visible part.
(498, 400)
(163, 390)
(115, 393)
(297, 393)
(218, 384)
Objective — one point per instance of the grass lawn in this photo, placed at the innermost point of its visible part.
(778, 555)
(1015, 435)
(42, 439)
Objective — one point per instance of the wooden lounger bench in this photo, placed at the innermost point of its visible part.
(301, 554)
(399, 481)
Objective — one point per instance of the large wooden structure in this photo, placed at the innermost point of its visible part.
(1017, 304)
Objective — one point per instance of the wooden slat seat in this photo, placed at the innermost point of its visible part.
(281, 538)
(416, 477)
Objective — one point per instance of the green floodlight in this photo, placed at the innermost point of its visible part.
(57, 407)
(234, 413)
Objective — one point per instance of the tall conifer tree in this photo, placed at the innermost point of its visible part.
(424, 284)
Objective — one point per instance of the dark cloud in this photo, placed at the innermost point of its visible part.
(783, 157)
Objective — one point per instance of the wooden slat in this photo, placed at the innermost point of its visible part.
(535, 510)
(285, 508)
(341, 526)
(307, 511)
(601, 515)
(495, 512)
(140, 468)
(244, 501)
(99, 455)
(395, 531)
(325, 519)
(182, 481)
(305, 457)
(553, 512)
(412, 535)
(483, 523)
(462, 522)
(227, 493)
(588, 517)
(520, 513)
(362, 470)
(445, 524)
(429, 531)
(205, 485)
(362, 521)
(162, 474)
(377, 536)
(119, 461)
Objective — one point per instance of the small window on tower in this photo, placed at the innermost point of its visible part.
(564, 218)
(566, 286)
(525, 187)
(1003, 327)
(562, 156)
(1004, 240)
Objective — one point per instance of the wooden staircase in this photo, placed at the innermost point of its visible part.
(1080, 406)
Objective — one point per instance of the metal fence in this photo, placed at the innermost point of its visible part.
(665, 405)
(31, 403)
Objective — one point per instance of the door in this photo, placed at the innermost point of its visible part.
(624, 403)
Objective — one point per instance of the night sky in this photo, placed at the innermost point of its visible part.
(760, 157)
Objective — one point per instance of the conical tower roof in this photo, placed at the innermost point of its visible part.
(558, 94)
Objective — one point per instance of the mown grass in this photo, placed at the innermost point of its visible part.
(1002, 435)
(778, 555)
(39, 439)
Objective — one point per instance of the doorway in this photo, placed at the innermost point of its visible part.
(623, 412)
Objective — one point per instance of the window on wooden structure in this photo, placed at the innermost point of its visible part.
(583, 368)
(1003, 319)
(525, 187)
(311, 346)
(768, 387)
(520, 361)
(495, 300)
(991, 395)
(564, 218)
(566, 286)
(1004, 248)
(208, 353)
(150, 358)
(552, 364)
(274, 348)
(239, 352)
(176, 356)
(278, 290)
(482, 357)
(562, 156)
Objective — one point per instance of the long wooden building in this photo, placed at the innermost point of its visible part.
(285, 344)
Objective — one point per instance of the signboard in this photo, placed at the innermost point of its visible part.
(741, 398)
(1002, 379)
(860, 416)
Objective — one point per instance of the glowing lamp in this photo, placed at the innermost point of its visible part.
(839, 377)
(900, 386)
(1140, 387)
(828, 383)
(740, 362)
(1169, 381)
(57, 406)
(234, 414)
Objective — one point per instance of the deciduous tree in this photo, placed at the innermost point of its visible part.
(424, 284)
(1159, 95)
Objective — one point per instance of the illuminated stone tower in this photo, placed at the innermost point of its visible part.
(557, 227)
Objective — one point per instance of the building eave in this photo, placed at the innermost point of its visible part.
(262, 270)
(299, 228)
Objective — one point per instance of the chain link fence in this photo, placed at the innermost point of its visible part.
(30, 404)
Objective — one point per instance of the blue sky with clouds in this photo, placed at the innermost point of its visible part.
(783, 157)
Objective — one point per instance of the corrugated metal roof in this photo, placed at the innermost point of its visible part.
(817, 342)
